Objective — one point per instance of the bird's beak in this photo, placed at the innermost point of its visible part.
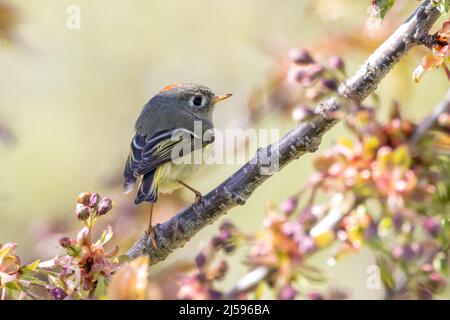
(221, 97)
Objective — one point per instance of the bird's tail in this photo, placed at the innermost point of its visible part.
(134, 158)
(148, 188)
(130, 178)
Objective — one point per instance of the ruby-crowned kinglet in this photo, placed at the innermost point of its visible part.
(175, 108)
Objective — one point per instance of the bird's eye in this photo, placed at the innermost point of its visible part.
(197, 101)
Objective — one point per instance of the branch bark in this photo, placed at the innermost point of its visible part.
(429, 122)
(305, 138)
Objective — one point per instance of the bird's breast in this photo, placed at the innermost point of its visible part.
(183, 169)
(172, 173)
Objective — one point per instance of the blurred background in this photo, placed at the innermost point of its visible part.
(69, 99)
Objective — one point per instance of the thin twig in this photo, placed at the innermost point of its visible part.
(429, 122)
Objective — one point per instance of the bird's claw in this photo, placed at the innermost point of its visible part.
(150, 232)
(198, 198)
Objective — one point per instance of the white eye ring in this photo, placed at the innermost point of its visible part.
(197, 101)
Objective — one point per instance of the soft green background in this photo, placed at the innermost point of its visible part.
(71, 97)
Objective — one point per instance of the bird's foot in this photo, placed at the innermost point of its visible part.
(198, 198)
(198, 195)
(150, 232)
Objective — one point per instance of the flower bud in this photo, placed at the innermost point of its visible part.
(84, 198)
(308, 74)
(427, 267)
(289, 205)
(229, 248)
(432, 226)
(57, 293)
(306, 245)
(104, 206)
(216, 242)
(74, 250)
(82, 212)
(405, 252)
(300, 56)
(227, 226)
(398, 221)
(315, 296)
(214, 294)
(287, 293)
(200, 260)
(337, 63)
(201, 277)
(329, 84)
(221, 269)
(424, 294)
(372, 231)
(65, 242)
(436, 283)
(94, 199)
(84, 237)
(225, 235)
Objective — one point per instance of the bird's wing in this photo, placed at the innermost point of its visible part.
(147, 154)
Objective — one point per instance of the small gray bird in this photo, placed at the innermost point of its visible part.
(161, 135)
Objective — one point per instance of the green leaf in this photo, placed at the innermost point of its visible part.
(401, 156)
(34, 280)
(386, 274)
(106, 236)
(100, 290)
(443, 6)
(57, 282)
(31, 267)
(443, 185)
(6, 249)
(259, 291)
(312, 274)
(384, 6)
(440, 263)
(14, 285)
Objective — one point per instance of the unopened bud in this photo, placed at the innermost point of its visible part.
(229, 247)
(432, 226)
(227, 226)
(216, 242)
(436, 283)
(214, 294)
(94, 199)
(104, 206)
(221, 269)
(82, 212)
(84, 237)
(315, 296)
(74, 250)
(300, 56)
(58, 293)
(65, 242)
(337, 63)
(289, 205)
(287, 293)
(200, 260)
(329, 84)
(84, 198)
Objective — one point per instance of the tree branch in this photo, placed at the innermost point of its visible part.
(429, 122)
(305, 138)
